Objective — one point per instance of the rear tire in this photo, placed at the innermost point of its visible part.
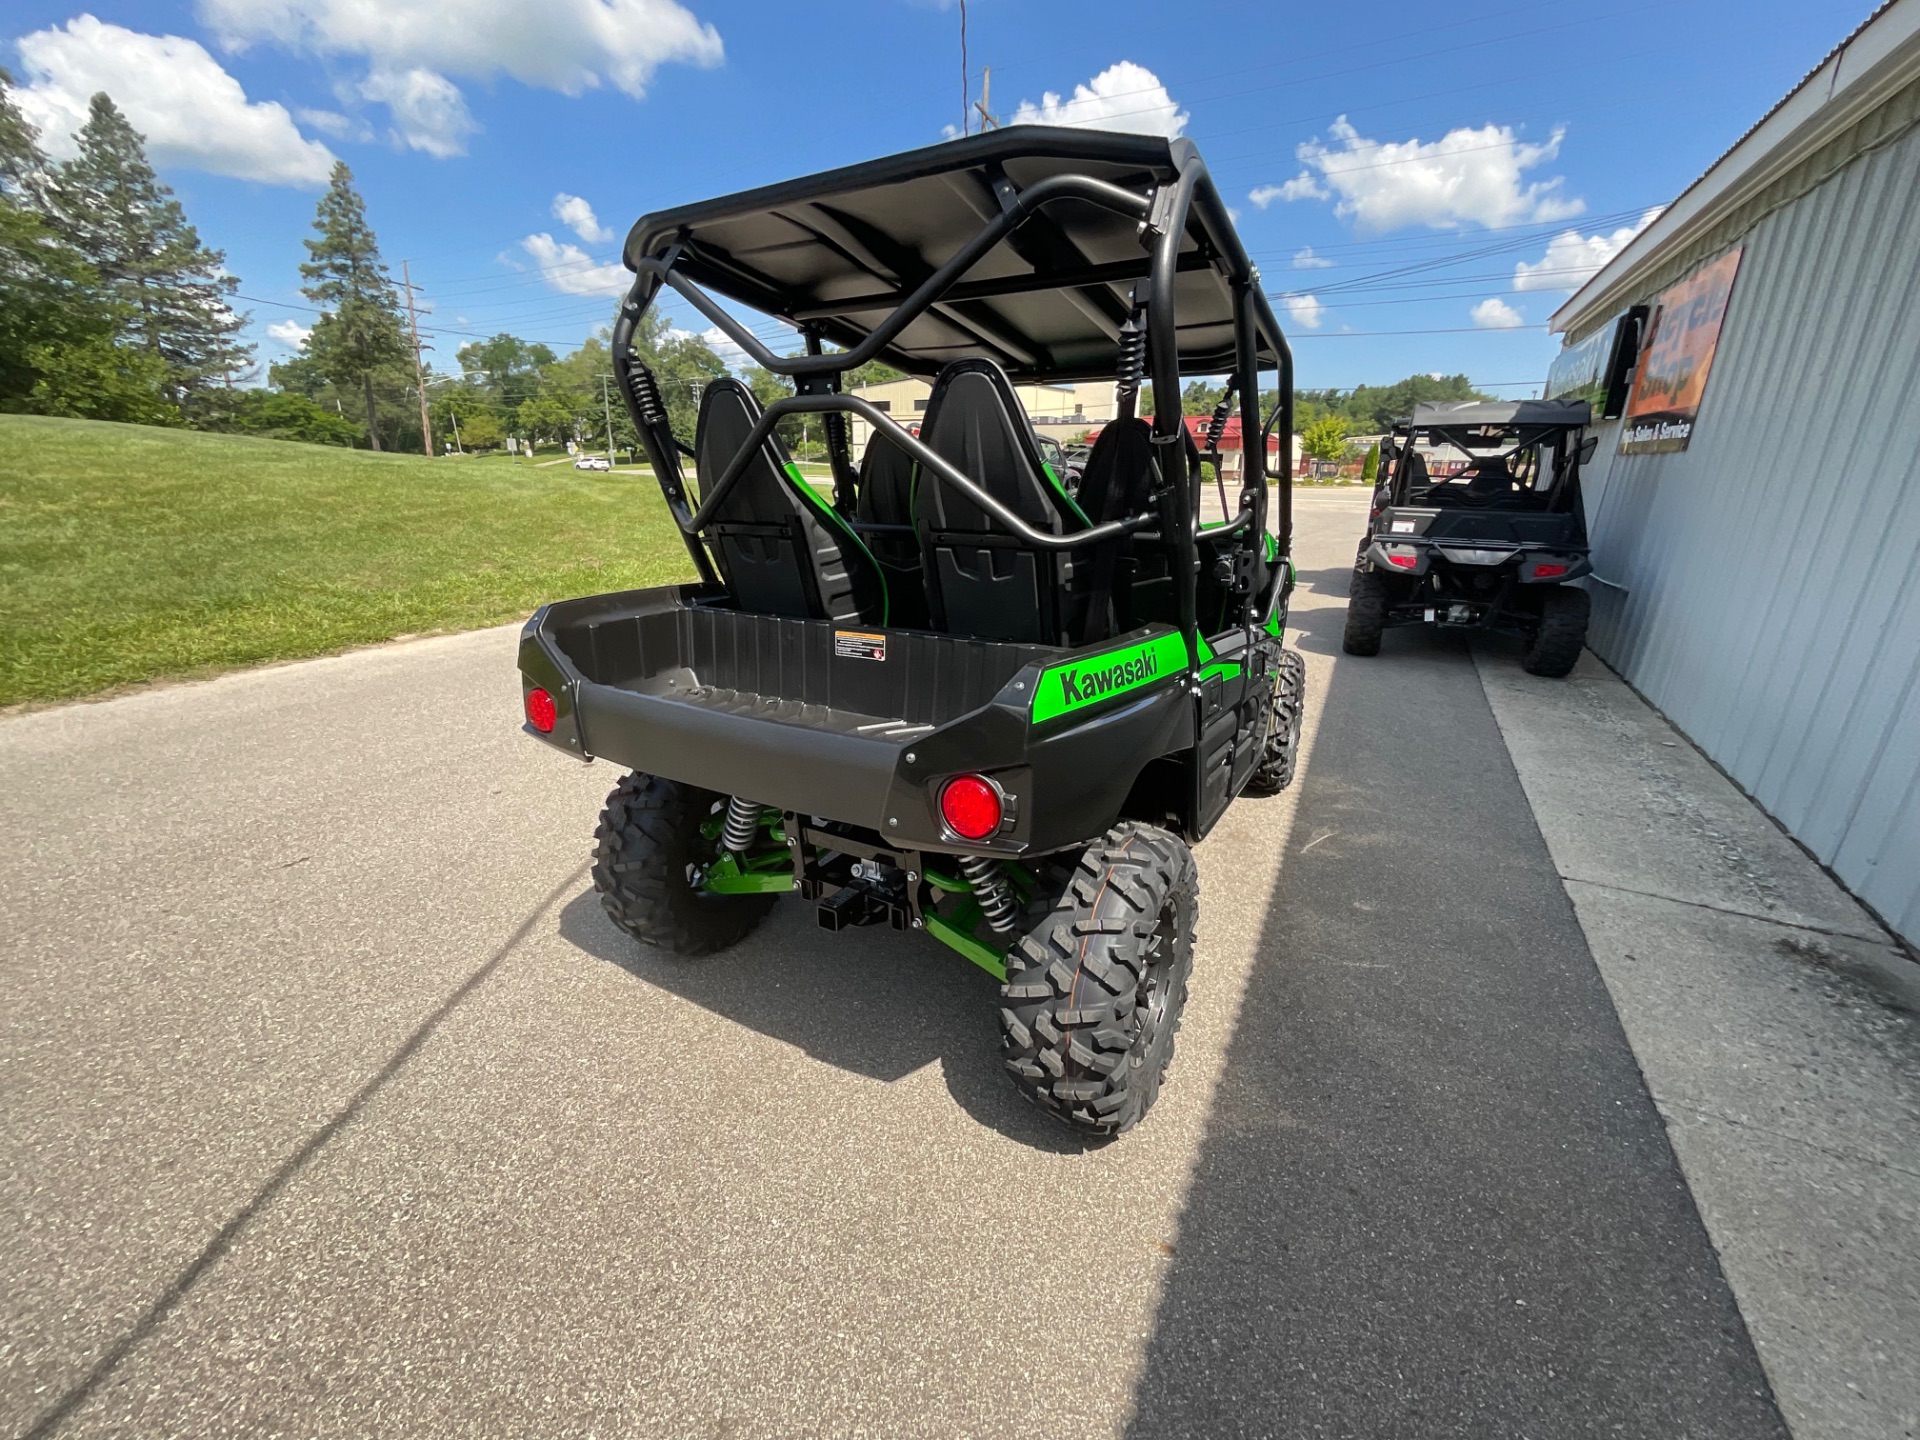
(646, 853)
(1366, 613)
(1094, 990)
(1282, 750)
(1555, 647)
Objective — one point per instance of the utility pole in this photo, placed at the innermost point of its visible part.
(607, 406)
(966, 81)
(987, 119)
(419, 370)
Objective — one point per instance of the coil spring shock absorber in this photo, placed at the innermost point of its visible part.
(646, 395)
(1133, 355)
(991, 891)
(743, 821)
(1218, 425)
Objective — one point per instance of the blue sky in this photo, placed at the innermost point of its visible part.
(1501, 150)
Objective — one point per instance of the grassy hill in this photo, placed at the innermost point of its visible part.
(130, 554)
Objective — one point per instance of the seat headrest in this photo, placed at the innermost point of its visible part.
(975, 420)
(728, 413)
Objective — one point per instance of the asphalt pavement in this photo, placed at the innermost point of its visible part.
(332, 1105)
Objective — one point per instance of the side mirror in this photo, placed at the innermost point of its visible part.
(1587, 448)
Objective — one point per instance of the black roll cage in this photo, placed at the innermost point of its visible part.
(1163, 213)
(1567, 463)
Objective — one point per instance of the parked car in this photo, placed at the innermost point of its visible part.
(593, 462)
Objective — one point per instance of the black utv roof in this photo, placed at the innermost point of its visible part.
(1475, 414)
(842, 249)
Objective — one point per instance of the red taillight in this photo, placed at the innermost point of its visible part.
(970, 804)
(1403, 562)
(541, 711)
(1550, 572)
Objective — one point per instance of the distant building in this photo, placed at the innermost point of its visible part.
(1232, 445)
(1062, 411)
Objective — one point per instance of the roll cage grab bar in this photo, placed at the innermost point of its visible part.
(1163, 215)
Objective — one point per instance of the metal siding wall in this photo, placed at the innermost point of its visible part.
(1772, 571)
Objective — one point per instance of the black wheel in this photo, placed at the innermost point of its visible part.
(1095, 988)
(648, 856)
(1366, 613)
(1563, 630)
(1275, 770)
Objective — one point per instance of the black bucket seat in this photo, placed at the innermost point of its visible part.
(781, 548)
(883, 515)
(1118, 483)
(982, 580)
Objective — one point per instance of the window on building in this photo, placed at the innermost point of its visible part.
(919, 405)
(883, 404)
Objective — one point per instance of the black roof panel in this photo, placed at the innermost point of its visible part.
(841, 248)
(1502, 412)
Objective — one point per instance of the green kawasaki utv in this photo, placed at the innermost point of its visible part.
(951, 697)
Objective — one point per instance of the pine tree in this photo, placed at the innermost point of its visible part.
(57, 329)
(110, 206)
(21, 161)
(360, 334)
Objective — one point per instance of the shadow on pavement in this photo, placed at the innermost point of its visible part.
(1434, 1196)
(872, 1001)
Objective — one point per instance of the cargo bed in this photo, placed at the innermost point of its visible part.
(674, 681)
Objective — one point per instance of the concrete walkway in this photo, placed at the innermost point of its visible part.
(1775, 1022)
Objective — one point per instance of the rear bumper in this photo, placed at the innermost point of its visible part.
(1414, 557)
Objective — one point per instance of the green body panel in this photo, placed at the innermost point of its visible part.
(1075, 684)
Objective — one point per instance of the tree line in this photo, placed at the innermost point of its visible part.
(112, 308)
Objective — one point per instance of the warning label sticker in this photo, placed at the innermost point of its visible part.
(859, 645)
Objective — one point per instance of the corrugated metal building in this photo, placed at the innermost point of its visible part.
(1761, 586)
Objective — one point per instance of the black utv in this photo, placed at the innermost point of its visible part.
(954, 698)
(1477, 524)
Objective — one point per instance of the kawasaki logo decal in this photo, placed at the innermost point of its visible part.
(1078, 683)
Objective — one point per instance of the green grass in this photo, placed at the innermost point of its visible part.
(130, 554)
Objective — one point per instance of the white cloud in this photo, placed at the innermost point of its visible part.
(1304, 311)
(193, 113)
(290, 333)
(1467, 177)
(571, 271)
(1572, 259)
(1126, 97)
(715, 339)
(1493, 313)
(577, 215)
(1301, 187)
(411, 47)
(728, 350)
(332, 122)
(1305, 259)
(429, 112)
